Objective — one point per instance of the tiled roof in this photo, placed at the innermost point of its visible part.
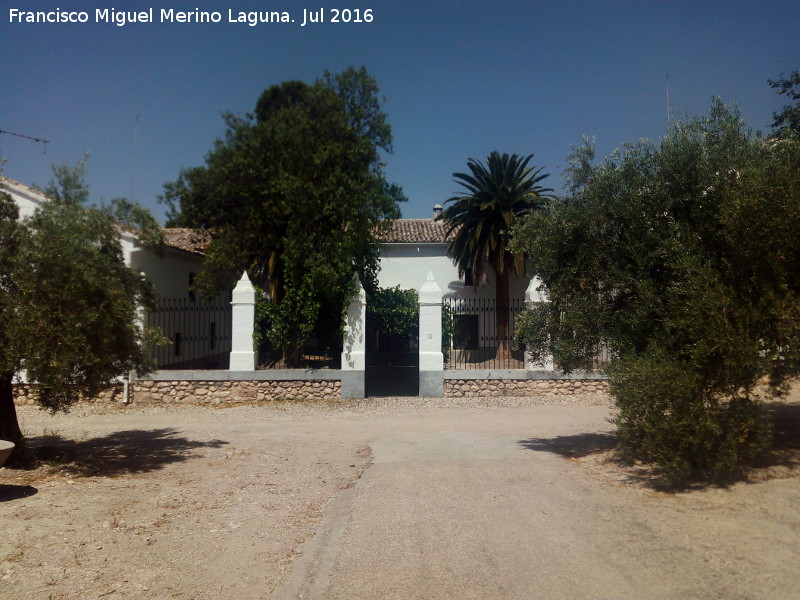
(410, 231)
(403, 231)
(189, 240)
(10, 183)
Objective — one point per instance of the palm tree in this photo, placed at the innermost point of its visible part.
(479, 222)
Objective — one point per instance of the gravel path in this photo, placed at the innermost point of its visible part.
(382, 498)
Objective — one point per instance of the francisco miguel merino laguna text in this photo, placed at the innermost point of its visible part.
(170, 15)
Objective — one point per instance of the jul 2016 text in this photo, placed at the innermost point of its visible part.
(122, 18)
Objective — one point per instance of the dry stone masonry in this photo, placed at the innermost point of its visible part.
(25, 394)
(244, 391)
(228, 392)
(525, 387)
(209, 392)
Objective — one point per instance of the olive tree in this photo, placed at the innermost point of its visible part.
(682, 257)
(68, 302)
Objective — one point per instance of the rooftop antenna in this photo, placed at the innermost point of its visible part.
(133, 159)
(28, 137)
(669, 112)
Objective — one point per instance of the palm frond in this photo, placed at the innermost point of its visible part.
(497, 193)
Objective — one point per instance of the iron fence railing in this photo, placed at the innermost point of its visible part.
(199, 336)
(314, 355)
(199, 333)
(473, 336)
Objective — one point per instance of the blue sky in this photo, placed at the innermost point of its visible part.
(461, 79)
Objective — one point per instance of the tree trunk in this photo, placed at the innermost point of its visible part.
(9, 425)
(502, 321)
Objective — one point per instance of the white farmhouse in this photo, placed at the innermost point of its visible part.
(171, 275)
(413, 247)
(411, 252)
(199, 331)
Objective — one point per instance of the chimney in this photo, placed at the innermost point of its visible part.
(437, 210)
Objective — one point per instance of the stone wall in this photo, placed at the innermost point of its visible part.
(209, 392)
(25, 394)
(224, 392)
(237, 391)
(524, 387)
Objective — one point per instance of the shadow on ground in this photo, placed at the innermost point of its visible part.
(782, 460)
(119, 453)
(15, 492)
(572, 446)
(785, 450)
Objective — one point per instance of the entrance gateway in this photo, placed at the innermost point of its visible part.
(392, 351)
(384, 352)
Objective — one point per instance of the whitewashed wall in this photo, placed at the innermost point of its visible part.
(205, 337)
(26, 199)
(170, 275)
(407, 265)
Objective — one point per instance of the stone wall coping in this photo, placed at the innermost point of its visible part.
(520, 374)
(336, 375)
(261, 375)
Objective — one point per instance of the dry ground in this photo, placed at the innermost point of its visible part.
(192, 502)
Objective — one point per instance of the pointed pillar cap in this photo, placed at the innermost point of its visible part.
(430, 292)
(244, 292)
(360, 297)
(536, 291)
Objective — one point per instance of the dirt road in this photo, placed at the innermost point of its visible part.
(495, 498)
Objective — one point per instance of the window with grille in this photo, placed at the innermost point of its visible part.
(465, 332)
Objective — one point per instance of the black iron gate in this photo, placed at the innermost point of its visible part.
(392, 353)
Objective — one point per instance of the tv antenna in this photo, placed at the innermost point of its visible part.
(669, 112)
(28, 137)
(133, 159)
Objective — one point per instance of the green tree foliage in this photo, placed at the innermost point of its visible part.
(295, 194)
(394, 311)
(479, 221)
(11, 238)
(683, 258)
(69, 187)
(136, 218)
(68, 302)
(788, 119)
(392, 320)
(448, 329)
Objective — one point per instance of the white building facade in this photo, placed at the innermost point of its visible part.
(199, 331)
(457, 317)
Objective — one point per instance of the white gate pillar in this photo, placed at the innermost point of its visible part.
(431, 360)
(354, 347)
(534, 296)
(243, 356)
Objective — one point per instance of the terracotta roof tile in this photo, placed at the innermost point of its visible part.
(403, 231)
(418, 231)
(29, 189)
(189, 240)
